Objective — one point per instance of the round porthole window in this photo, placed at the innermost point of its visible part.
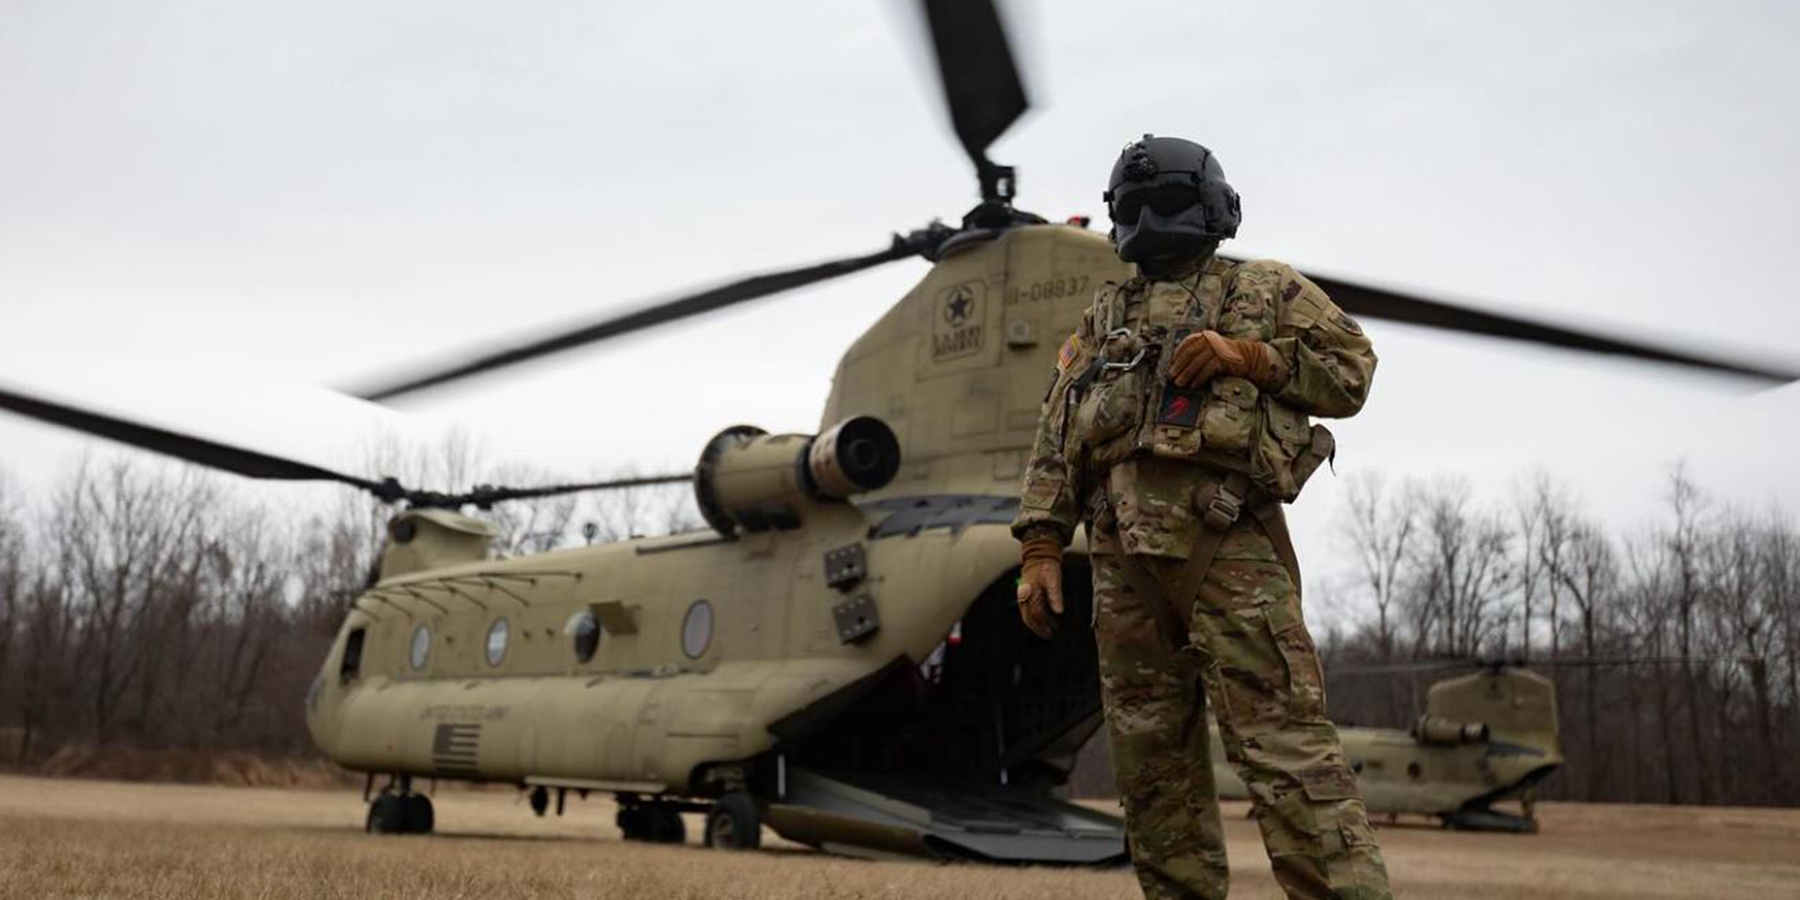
(584, 634)
(421, 646)
(697, 629)
(496, 642)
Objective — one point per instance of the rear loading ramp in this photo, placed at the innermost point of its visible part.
(879, 817)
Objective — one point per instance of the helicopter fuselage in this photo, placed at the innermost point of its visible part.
(715, 651)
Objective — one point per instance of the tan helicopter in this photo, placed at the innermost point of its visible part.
(838, 657)
(1483, 738)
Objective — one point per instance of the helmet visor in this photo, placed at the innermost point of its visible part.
(1165, 199)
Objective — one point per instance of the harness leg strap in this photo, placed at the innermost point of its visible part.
(1155, 598)
(1274, 525)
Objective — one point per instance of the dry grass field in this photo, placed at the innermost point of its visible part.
(75, 838)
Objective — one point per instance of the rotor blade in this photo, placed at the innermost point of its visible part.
(691, 305)
(1402, 667)
(1429, 666)
(484, 496)
(1396, 306)
(981, 83)
(212, 454)
(1579, 662)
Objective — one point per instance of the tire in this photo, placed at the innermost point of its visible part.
(634, 823)
(387, 815)
(734, 823)
(419, 817)
(652, 823)
(666, 826)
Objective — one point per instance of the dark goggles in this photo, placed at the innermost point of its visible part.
(1166, 199)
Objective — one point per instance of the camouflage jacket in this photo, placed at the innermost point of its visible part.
(1111, 416)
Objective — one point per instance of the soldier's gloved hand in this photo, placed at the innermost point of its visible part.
(1040, 584)
(1206, 354)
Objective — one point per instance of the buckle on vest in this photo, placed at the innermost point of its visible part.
(1222, 509)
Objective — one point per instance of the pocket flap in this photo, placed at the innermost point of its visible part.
(1238, 392)
(1288, 424)
(1329, 783)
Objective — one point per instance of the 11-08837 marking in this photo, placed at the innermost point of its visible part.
(1049, 289)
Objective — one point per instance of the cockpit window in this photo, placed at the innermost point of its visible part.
(351, 666)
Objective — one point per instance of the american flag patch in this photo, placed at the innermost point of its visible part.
(1070, 348)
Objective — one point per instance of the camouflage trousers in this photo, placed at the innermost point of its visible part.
(1248, 650)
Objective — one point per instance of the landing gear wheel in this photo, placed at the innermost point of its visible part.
(419, 816)
(399, 811)
(654, 823)
(666, 826)
(634, 823)
(387, 814)
(734, 823)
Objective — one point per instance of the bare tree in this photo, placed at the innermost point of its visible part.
(1462, 572)
(1648, 606)
(1579, 562)
(1780, 552)
(1378, 529)
(12, 570)
(1743, 568)
(244, 618)
(1683, 539)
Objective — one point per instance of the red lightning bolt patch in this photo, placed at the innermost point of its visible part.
(1179, 407)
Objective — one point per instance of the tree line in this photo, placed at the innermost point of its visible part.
(1674, 646)
(153, 607)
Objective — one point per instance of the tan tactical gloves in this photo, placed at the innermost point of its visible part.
(1040, 584)
(1207, 354)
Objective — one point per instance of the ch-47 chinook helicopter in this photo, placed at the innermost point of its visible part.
(838, 656)
(1483, 737)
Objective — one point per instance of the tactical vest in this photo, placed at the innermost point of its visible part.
(1125, 405)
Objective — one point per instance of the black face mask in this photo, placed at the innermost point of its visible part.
(1160, 226)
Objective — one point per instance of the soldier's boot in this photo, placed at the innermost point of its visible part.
(1156, 721)
(1263, 673)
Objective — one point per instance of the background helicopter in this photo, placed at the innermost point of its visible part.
(998, 248)
(1482, 738)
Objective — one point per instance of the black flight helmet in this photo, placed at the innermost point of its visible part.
(1168, 199)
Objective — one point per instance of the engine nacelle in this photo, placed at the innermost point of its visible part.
(1443, 732)
(750, 480)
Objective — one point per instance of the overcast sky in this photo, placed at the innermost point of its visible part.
(209, 209)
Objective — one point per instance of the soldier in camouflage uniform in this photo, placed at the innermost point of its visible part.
(1177, 424)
